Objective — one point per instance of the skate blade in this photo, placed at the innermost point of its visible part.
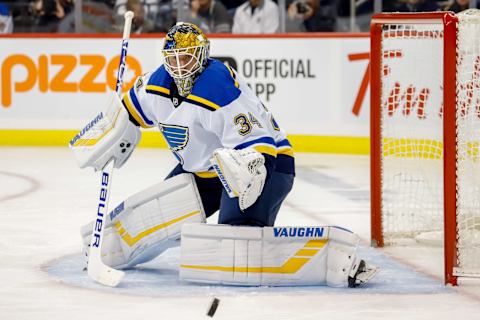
(368, 274)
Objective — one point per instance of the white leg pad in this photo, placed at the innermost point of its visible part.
(149, 222)
(342, 257)
(233, 255)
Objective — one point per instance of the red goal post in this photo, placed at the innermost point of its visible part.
(420, 103)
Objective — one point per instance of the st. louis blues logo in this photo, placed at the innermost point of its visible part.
(177, 138)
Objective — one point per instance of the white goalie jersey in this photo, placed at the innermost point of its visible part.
(220, 112)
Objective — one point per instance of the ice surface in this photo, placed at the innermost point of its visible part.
(45, 198)
(159, 278)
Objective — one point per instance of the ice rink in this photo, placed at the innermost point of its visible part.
(45, 198)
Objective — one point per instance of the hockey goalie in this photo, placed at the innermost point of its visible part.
(233, 158)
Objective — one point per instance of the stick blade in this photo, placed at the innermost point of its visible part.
(103, 274)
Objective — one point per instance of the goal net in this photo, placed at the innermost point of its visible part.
(425, 125)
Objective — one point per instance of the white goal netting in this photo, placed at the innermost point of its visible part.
(412, 136)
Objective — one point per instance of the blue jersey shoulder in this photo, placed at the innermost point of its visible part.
(159, 82)
(215, 88)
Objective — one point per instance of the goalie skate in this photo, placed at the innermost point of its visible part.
(364, 273)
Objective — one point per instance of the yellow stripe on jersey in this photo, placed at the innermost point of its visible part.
(286, 151)
(266, 149)
(203, 101)
(206, 174)
(133, 111)
(158, 89)
(233, 76)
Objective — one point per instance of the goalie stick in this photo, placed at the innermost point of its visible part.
(97, 270)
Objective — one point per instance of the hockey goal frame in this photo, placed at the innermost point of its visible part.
(449, 22)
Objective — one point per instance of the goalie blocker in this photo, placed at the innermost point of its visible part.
(111, 135)
(272, 256)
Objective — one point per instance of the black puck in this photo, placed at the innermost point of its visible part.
(213, 307)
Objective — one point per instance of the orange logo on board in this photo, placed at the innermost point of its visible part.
(39, 73)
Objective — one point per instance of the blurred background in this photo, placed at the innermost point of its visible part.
(213, 16)
(55, 49)
(59, 60)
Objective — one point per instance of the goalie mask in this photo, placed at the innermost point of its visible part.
(185, 50)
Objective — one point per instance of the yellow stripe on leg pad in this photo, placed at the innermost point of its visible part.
(131, 240)
(307, 252)
(291, 266)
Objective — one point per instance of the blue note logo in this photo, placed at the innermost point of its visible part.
(176, 136)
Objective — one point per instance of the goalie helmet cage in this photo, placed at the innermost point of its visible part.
(425, 134)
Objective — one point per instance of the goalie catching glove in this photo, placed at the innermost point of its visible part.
(242, 173)
(110, 135)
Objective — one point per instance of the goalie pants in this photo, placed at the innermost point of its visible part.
(262, 213)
